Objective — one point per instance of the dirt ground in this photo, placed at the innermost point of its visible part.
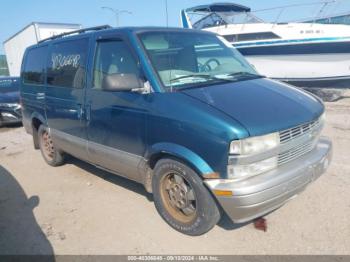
(78, 209)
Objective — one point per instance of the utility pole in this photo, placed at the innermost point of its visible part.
(166, 13)
(117, 13)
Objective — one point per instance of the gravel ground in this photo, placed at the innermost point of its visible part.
(78, 209)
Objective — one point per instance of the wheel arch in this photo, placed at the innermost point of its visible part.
(169, 150)
(36, 121)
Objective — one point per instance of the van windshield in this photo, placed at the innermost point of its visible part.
(193, 59)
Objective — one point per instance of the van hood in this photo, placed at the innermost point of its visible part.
(9, 97)
(262, 106)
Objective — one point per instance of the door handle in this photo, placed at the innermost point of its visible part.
(40, 96)
(80, 111)
(88, 112)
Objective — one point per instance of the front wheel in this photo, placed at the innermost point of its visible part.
(50, 153)
(182, 200)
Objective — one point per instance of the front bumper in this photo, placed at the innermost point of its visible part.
(10, 116)
(259, 195)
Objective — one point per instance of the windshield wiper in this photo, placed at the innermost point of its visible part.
(207, 77)
(191, 76)
(245, 74)
(204, 76)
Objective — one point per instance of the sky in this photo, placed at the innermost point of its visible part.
(17, 14)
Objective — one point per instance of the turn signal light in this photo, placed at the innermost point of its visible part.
(223, 193)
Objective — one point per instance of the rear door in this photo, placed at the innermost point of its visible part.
(33, 84)
(116, 124)
(65, 94)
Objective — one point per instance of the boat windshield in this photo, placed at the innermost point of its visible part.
(192, 59)
(207, 20)
(240, 18)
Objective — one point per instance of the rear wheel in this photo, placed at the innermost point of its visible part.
(51, 155)
(182, 200)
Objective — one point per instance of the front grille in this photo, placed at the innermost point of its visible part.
(295, 152)
(298, 131)
(308, 133)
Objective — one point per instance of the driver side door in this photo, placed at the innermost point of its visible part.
(116, 122)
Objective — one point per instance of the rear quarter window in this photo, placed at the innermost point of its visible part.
(67, 64)
(34, 67)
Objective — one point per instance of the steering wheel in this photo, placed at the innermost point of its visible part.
(203, 68)
(210, 61)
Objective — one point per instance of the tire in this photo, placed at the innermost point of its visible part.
(50, 153)
(182, 200)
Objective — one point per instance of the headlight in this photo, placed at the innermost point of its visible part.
(254, 145)
(244, 171)
(9, 105)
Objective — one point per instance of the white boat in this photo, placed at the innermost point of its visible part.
(303, 54)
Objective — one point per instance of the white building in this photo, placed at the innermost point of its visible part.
(16, 45)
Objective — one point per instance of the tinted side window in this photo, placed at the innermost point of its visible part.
(251, 37)
(113, 57)
(34, 68)
(67, 64)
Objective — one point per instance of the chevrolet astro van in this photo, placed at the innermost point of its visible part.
(180, 111)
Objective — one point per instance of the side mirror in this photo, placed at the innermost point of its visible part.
(121, 82)
(33, 202)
